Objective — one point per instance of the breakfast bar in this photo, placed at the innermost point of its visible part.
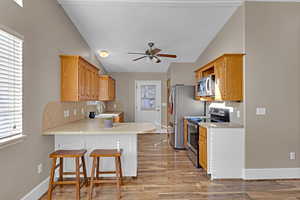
(90, 134)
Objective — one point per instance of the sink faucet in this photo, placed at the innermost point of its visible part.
(101, 107)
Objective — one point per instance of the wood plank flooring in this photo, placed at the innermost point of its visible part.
(166, 174)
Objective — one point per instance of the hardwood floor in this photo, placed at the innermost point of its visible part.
(166, 174)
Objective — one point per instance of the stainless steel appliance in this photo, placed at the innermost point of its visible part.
(182, 104)
(216, 115)
(206, 86)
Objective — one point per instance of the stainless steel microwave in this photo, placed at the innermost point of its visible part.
(206, 86)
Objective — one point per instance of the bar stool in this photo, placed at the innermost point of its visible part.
(61, 154)
(96, 155)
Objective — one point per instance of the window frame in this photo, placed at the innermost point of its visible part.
(15, 138)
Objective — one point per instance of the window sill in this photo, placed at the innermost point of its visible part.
(11, 141)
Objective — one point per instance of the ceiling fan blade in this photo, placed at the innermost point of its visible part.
(167, 55)
(137, 53)
(155, 51)
(157, 59)
(139, 58)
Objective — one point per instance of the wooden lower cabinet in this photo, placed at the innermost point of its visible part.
(185, 132)
(222, 152)
(203, 147)
(119, 118)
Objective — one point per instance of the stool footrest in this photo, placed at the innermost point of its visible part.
(104, 181)
(107, 172)
(65, 182)
(71, 173)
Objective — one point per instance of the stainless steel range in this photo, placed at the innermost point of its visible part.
(216, 115)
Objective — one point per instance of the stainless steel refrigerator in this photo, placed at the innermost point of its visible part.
(183, 103)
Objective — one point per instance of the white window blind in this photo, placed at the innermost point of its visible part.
(11, 49)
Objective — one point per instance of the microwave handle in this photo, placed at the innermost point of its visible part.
(207, 85)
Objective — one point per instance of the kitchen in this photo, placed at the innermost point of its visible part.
(81, 88)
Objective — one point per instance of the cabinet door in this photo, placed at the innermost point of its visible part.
(185, 132)
(96, 84)
(103, 89)
(234, 81)
(93, 94)
(81, 77)
(113, 89)
(220, 82)
(204, 154)
(203, 147)
(88, 83)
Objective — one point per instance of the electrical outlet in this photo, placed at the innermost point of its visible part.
(40, 168)
(238, 114)
(260, 111)
(66, 113)
(292, 155)
(75, 112)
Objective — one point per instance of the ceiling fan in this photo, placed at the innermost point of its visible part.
(153, 54)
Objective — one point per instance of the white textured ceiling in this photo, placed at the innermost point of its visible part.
(178, 27)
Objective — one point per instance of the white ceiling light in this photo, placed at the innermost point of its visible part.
(103, 54)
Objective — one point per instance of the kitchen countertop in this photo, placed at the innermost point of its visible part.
(111, 113)
(196, 116)
(221, 125)
(96, 126)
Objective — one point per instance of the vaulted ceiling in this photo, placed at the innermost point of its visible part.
(180, 27)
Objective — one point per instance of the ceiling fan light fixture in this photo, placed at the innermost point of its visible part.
(103, 54)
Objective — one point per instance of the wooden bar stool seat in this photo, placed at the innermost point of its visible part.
(95, 172)
(61, 154)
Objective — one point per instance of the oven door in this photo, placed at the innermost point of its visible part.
(193, 137)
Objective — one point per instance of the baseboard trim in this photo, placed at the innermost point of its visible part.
(272, 173)
(37, 192)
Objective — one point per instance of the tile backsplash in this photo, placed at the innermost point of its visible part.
(236, 110)
(55, 113)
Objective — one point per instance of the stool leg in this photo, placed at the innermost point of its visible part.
(121, 173)
(84, 170)
(92, 178)
(51, 181)
(98, 167)
(77, 178)
(118, 174)
(61, 170)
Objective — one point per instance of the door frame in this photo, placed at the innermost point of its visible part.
(135, 96)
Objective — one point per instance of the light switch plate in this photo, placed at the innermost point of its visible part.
(260, 111)
(292, 155)
(238, 114)
(75, 112)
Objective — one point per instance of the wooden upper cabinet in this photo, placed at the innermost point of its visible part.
(79, 79)
(220, 79)
(228, 71)
(107, 88)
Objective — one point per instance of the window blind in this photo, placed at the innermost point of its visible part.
(11, 50)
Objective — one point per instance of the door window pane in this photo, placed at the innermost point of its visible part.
(148, 100)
